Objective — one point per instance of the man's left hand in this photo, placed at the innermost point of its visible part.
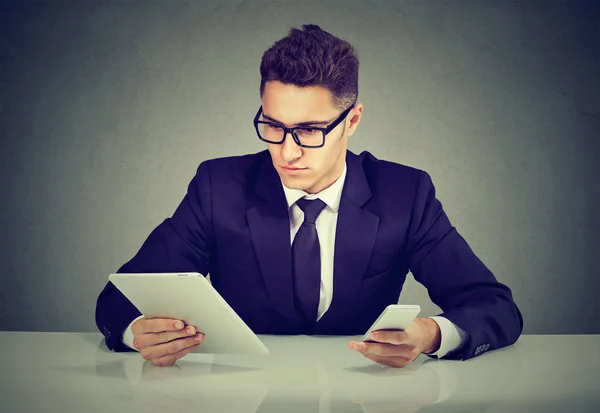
(400, 348)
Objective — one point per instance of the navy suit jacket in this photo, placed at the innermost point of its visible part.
(233, 223)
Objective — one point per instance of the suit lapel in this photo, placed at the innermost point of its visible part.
(354, 240)
(269, 225)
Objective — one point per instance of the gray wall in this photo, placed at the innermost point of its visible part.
(108, 108)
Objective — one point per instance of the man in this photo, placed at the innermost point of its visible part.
(309, 238)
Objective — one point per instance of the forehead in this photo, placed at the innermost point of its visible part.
(291, 104)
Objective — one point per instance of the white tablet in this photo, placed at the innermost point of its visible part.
(191, 298)
(394, 317)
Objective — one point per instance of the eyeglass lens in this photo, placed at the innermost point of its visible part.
(306, 136)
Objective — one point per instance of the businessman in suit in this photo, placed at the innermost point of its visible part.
(307, 237)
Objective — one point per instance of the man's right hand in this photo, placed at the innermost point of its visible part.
(163, 341)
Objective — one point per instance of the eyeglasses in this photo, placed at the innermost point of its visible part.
(304, 136)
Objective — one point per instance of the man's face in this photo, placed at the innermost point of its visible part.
(308, 169)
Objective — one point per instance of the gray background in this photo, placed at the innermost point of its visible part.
(108, 107)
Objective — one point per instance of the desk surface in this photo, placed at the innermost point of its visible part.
(59, 372)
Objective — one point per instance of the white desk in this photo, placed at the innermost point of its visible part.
(70, 372)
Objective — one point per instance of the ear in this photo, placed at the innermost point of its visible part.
(353, 119)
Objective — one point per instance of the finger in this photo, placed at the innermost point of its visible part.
(383, 349)
(391, 337)
(151, 339)
(170, 359)
(157, 325)
(401, 355)
(388, 361)
(172, 347)
(167, 336)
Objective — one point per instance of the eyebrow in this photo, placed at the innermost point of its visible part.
(309, 123)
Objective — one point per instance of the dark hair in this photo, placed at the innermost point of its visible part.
(313, 57)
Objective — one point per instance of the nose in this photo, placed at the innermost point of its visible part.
(290, 149)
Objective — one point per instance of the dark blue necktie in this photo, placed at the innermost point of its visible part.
(306, 261)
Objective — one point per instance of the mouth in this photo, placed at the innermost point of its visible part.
(292, 170)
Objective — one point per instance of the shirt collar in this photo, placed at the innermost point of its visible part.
(330, 195)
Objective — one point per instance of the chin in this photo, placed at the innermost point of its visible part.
(294, 182)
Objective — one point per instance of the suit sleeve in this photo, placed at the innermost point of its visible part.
(457, 280)
(182, 243)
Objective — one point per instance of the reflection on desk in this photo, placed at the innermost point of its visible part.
(64, 371)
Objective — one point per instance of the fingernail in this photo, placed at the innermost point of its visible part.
(199, 337)
(190, 330)
(179, 324)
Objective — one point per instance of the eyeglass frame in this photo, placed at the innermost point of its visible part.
(324, 130)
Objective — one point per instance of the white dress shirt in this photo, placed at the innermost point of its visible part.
(452, 336)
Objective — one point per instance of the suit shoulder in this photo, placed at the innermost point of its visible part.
(230, 175)
(389, 170)
(396, 186)
(233, 168)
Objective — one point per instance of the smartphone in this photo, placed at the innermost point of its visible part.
(394, 317)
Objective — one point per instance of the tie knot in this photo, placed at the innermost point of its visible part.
(311, 208)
